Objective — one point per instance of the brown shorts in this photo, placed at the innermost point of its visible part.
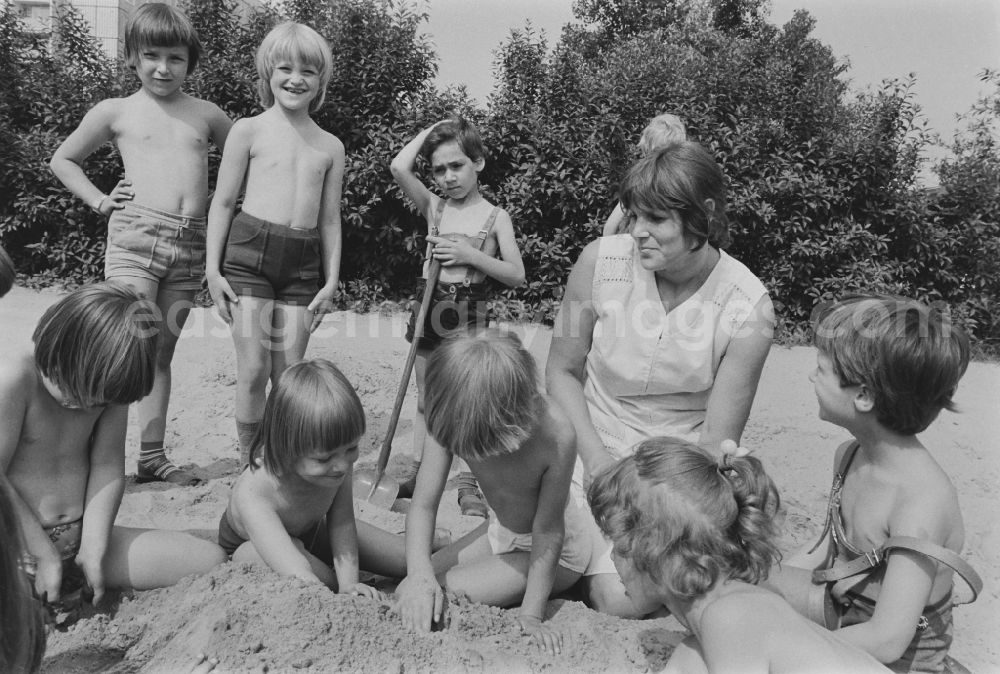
(272, 261)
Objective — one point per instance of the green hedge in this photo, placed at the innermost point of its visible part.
(823, 192)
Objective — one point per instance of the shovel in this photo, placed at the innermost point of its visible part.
(372, 483)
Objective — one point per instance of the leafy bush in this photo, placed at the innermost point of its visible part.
(823, 193)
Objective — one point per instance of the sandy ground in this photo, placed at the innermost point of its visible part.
(255, 621)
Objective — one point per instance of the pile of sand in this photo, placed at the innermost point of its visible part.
(251, 619)
(254, 621)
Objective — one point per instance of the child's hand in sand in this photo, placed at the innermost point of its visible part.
(544, 636)
(93, 571)
(362, 590)
(202, 664)
(420, 601)
(48, 578)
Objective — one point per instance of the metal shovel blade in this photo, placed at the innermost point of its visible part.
(373, 485)
(380, 490)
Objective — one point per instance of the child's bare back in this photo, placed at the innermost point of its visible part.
(289, 165)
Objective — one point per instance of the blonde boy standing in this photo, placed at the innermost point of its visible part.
(281, 265)
(156, 230)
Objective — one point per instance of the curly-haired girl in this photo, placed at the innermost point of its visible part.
(697, 534)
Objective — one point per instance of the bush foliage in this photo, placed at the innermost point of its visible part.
(824, 195)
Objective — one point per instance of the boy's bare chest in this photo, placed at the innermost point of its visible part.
(289, 153)
(158, 130)
(52, 433)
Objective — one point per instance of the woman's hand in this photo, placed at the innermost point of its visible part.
(420, 601)
(593, 463)
(544, 636)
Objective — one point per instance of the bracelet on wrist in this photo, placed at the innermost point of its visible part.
(98, 202)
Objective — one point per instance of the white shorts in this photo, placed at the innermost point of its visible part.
(577, 542)
(600, 557)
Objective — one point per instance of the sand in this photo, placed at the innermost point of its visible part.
(254, 621)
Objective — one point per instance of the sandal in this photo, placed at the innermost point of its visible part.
(163, 470)
(470, 499)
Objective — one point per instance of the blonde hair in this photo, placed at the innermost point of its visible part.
(313, 406)
(98, 344)
(661, 131)
(293, 41)
(481, 394)
(686, 520)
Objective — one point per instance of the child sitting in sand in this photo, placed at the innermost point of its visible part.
(483, 405)
(293, 507)
(466, 233)
(661, 131)
(886, 366)
(273, 269)
(696, 534)
(63, 412)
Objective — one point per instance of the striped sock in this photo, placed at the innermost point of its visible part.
(149, 452)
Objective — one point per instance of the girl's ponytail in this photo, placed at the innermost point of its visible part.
(757, 501)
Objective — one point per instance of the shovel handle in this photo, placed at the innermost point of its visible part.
(418, 330)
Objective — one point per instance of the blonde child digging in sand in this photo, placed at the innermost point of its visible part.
(696, 534)
(275, 278)
(661, 131)
(466, 233)
(483, 405)
(156, 229)
(293, 507)
(63, 412)
(886, 366)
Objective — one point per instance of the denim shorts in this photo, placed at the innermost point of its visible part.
(271, 261)
(166, 248)
(454, 308)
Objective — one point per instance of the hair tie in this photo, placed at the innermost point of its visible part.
(730, 451)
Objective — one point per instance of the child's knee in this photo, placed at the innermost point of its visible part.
(253, 374)
(214, 555)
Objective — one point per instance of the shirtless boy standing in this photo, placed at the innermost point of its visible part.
(273, 269)
(156, 230)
